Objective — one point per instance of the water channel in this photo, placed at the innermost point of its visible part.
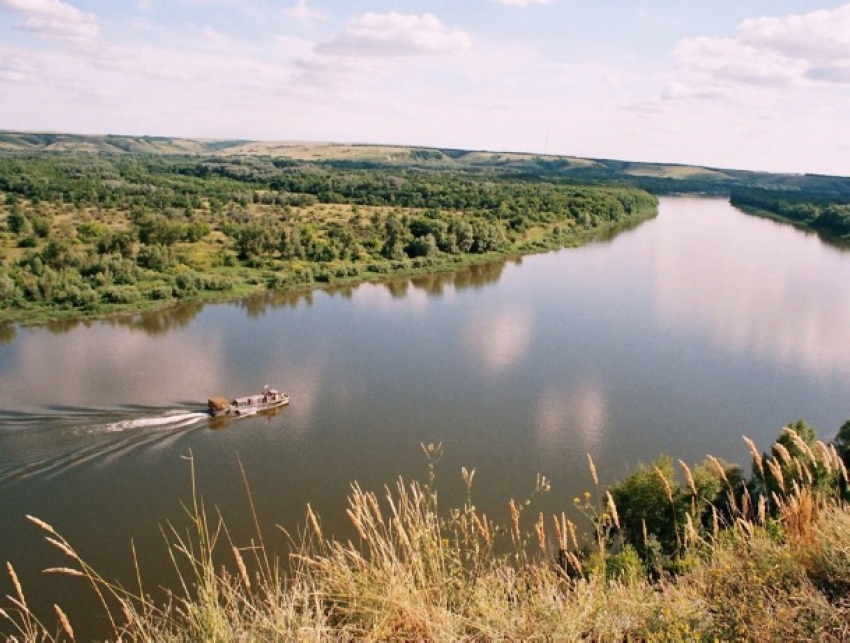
(677, 336)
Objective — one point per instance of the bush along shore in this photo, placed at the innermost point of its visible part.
(706, 553)
(92, 235)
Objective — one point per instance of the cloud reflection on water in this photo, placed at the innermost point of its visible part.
(498, 340)
(567, 419)
(91, 365)
(775, 295)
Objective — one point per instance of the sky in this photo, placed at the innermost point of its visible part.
(745, 84)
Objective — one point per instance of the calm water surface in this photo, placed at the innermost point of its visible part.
(678, 336)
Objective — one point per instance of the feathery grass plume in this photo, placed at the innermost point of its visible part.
(836, 459)
(745, 527)
(62, 545)
(314, 522)
(514, 521)
(762, 511)
(64, 622)
(240, 564)
(746, 502)
(483, 528)
(67, 571)
(800, 468)
(825, 456)
(561, 531)
(690, 531)
(720, 470)
(667, 489)
(776, 472)
(22, 601)
(571, 526)
(843, 469)
(575, 562)
(756, 455)
(783, 452)
(541, 533)
(592, 470)
(42, 524)
(689, 478)
(612, 507)
(800, 443)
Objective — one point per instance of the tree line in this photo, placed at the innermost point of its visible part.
(822, 211)
(90, 232)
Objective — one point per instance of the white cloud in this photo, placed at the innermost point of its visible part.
(795, 50)
(820, 35)
(395, 34)
(300, 11)
(15, 68)
(521, 3)
(54, 19)
(730, 60)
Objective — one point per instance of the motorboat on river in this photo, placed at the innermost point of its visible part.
(269, 399)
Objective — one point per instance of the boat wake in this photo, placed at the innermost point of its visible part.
(45, 444)
(171, 420)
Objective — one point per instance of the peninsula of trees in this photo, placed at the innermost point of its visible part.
(87, 234)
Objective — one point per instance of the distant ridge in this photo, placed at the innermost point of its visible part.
(655, 177)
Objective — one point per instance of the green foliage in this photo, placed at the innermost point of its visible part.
(651, 507)
(823, 211)
(140, 220)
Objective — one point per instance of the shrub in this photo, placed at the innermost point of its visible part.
(121, 294)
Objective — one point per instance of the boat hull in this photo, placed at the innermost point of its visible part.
(250, 405)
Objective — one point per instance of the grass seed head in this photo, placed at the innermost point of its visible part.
(592, 470)
(64, 622)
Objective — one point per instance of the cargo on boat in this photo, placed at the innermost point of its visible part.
(269, 399)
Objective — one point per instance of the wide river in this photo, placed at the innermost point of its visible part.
(677, 336)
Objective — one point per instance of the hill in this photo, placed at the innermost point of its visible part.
(658, 178)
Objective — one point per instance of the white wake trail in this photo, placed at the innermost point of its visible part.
(173, 419)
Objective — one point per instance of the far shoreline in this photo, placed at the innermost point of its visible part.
(44, 316)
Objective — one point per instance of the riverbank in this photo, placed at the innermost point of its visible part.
(241, 281)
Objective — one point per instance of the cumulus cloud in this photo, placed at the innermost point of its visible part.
(300, 11)
(775, 51)
(396, 34)
(732, 60)
(820, 35)
(521, 3)
(54, 19)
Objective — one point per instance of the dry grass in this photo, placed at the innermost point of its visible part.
(418, 573)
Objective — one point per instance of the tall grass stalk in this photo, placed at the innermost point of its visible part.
(419, 572)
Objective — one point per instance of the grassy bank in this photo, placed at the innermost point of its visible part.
(716, 556)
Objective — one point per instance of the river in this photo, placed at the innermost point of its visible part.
(678, 336)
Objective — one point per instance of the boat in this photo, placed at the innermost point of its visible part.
(269, 399)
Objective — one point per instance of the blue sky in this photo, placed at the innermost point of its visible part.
(761, 85)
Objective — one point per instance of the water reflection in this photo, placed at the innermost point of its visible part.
(105, 363)
(570, 419)
(499, 339)
(781, 296)
(7, 333)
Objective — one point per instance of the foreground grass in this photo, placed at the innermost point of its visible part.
(418, 572)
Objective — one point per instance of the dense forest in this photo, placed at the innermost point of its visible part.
(85, 233)
(824, 211)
